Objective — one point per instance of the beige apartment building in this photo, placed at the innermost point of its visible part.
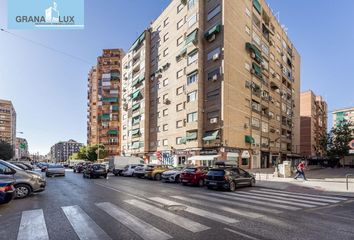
(104, 93)
(7, 122)
(218, 80)
(313, 125)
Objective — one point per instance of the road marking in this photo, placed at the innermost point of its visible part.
(272, 200)
(32, 226)
(141, 228)
(223, 208)
(83, 225)
(241, 234)
(197, 211)
(295, 197)
(237, 204)
(305, 194)
(254, 201)
(168, 216)
(284, 198)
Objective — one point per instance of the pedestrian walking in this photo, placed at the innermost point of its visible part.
(300, 171)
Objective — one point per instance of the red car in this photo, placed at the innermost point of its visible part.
(193, 175)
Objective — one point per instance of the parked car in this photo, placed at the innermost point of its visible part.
(95, 170)
(194, 175)
(155, 172)
(228, 178)
(139, 171)
(117, 164)
(78, 168)
(26, 182)
(55, 170)
(21, 165)
(7, 190)
(172, 175)
(43, 167)
(129, 170)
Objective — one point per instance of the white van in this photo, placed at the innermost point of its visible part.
(117, 164)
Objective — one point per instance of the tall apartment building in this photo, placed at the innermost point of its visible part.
(221, 82)
(61, 151)
(313, 125)
(104, 90)
(21, 150)
(343, 114)
(7, 122)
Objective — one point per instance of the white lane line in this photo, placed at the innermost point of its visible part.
(236, 204)
(32, 226)
(141, 228)
(169, 217)
(271, 200)
(83, 225)
(305, 194)
(197, 211)
(223, 208)
(295, 197)
(284, 198)
(241, 234)
(253, 201)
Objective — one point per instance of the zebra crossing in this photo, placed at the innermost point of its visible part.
(195, 215)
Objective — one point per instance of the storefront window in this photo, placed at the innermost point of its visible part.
(244, 161)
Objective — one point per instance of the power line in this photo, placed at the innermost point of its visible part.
(45, 46)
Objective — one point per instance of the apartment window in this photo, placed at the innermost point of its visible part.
(180, 23)
(247, 66)
(265, 127)
(165, 96)
(165, 112)
(192, 96)
(179, 90)
(179, 107)
(265, 48)
(255, 122)
(178, 140)
(214, 54)
(272, 56)
(193, 77)
(271, 114)
(214, 12)
(248, 12)
(192, 57)
(165, 142)
(179, 124)
(165, 52)
(192, 20)
(165, 37)
(158, 143)
(191, 4)
(180, 40)
(166, 22)
(256, 38)
(192, 117)
(165, 82)
(278, 118)
(180, 73)
(256, 21)
(165, 127)
(248, 30)
(180, 7)
(213, 94)
(214, 74)
(256, 106)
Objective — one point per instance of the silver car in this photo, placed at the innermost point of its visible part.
(55, 170)
(26, 182)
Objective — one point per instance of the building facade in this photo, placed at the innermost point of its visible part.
(61, 151)
(313, 126)
(104, 97)
(8, 123)
(342, 114)
(221, 82)
(21, 150)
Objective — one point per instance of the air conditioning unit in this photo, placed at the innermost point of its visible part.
(212, 38)
(215, 78)
(216, 56)
(213, 120)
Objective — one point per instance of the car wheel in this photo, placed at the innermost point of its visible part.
(232, 186)
(74, 171)
(201, 183)
(157, 177)
(22, 190)
(253, 182)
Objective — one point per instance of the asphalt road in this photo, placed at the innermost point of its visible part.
(127, 208)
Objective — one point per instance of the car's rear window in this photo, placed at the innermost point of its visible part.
(190, 170)
(216, 172)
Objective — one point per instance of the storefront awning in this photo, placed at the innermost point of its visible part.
(211, 135)
(203, 157)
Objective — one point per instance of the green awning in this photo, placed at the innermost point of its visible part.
(182, 53)
(183, 140)
(115, 108)
(257, 6)
(136, 132)
(135, 145)
(252, 48)
(138, 41)
(191, 136)
(257, 69)
(136, 94)
(136, 106)
(214, 30)
(138, 80)
(211, 135)
(192, 37)
(105, 117)
(112, 132)
(249, 139)
(115, 75)
(109, 99)
(136, 120)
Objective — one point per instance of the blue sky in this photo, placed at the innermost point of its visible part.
(48, 89)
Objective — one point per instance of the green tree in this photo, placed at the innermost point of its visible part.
(89, 153)
(6, 152)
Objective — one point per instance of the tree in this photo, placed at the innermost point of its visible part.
(6, 151)
(89, 153)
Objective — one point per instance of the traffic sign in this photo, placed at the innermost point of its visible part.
(351, 144)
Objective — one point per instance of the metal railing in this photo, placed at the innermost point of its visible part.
(347, 179)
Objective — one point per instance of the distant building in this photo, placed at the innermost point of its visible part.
(7, 122)
(61, 151)
(313, 124)
(21, 150)
(343, 114)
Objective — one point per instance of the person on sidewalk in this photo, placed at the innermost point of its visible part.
(300, 170)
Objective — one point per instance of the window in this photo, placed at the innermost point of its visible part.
(213, 54)
(165, 142)
(256, 21)
(165, 38)
(192, 117)
(180, 40)
(214, 12)
(192, 78)
(179, 90)
(180, 7)
(272, 56)
(178, 140)
(180, 73)
(192, 96)
(165, 127)
(165, 96)
(247, 66)
(165, 112)
(179, 124)
(191, 3)
(165, 52)
(192, 57)
(179, 107)
(248, 12)
(180, 23)
(265, 48)
(255, 122)
(213, 94)
(256, 38)
(248, 30)
(213, 74)
(256, 106)
(265, 127)
(166, 22)
(192, 20)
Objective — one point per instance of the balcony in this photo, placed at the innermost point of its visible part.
(256, 70)
(254, 51)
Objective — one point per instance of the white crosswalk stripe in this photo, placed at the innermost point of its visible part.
(168, 216)
(83, 225)
(33, 226)
(197, 211)
(141, 228)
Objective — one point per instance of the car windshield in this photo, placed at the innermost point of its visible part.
(216, 172)
(55, 166)
(190, 170)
